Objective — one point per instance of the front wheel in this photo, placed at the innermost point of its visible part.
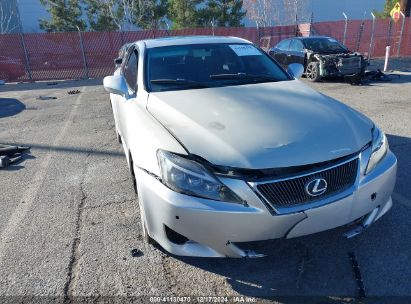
(146, 237)
(312, 72)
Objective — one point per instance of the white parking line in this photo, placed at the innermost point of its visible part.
(30, 194)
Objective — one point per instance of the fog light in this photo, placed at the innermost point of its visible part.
(175, 237)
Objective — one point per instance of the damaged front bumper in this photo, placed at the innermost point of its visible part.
(341, 64)
(207, 228)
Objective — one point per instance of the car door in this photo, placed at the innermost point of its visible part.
(280, 52)
(296, 52)
(130, 75)
(116, 100)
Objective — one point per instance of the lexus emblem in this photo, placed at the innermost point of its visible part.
(316, 187)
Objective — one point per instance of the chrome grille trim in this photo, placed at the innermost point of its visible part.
(287, 195)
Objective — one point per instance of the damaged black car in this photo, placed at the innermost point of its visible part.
(321, 57)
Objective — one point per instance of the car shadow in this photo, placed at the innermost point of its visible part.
(10, 107)
(316, 268)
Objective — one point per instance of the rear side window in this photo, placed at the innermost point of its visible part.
(130, 71)
(296, 46)
(283, 45)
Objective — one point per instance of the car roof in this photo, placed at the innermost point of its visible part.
(184, 40)
(308, 38)
(314, 37)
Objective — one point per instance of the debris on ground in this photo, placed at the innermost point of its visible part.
(357, 275)
(356, 79)
(11, 154)
(46, 97)
(72, 92)
(135, 253)
(360, 79)
(377, 75)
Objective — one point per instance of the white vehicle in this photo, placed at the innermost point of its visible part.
(226, 147)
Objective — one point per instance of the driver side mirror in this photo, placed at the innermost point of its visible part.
(296, 70)
(116, 85)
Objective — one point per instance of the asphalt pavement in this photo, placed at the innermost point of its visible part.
(70, 224)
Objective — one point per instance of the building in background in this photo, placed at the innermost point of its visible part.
(323, 10)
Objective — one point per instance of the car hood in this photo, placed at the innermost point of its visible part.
(258, 126)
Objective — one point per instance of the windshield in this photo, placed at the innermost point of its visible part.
(324, 45)
(183, 67)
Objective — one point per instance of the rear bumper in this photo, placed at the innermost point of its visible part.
(212, 227)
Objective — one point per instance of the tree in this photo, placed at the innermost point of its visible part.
(184, 13)
(406, 7)
(155, 15)
(389, 5)
(108, 15)
(275, 12)
(8, 17)
(296, 8)
(104, 15)
(222, 13)
(65, 16)
(263, 12)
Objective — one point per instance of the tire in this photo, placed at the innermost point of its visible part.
(144, 232)
(133, 176)
(146, 237)
(115, 124)
(312, 72)
(118, 138)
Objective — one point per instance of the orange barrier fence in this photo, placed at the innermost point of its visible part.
(74, 55)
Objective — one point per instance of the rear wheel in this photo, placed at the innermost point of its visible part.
(312, 72)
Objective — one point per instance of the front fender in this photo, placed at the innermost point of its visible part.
(144, 136)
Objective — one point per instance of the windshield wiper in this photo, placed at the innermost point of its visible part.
(244, 76)
(180, 81)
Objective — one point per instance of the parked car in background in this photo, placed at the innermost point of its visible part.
(224, 146)
(321, 57)
(11, 68)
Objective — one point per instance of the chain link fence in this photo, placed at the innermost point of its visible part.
(75, 55)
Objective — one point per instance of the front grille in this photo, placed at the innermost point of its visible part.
(292, 192)
(351, 65)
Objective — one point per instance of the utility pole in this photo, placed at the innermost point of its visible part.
(23, 42)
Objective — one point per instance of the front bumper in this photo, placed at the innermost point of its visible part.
(212, 227)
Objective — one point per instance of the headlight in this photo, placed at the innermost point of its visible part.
(379, 149)
(189, 177)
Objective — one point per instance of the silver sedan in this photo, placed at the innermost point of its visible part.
(224, 147)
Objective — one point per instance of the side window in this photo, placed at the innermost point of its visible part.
(296, 46)
(283, 45)
(130, 71)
